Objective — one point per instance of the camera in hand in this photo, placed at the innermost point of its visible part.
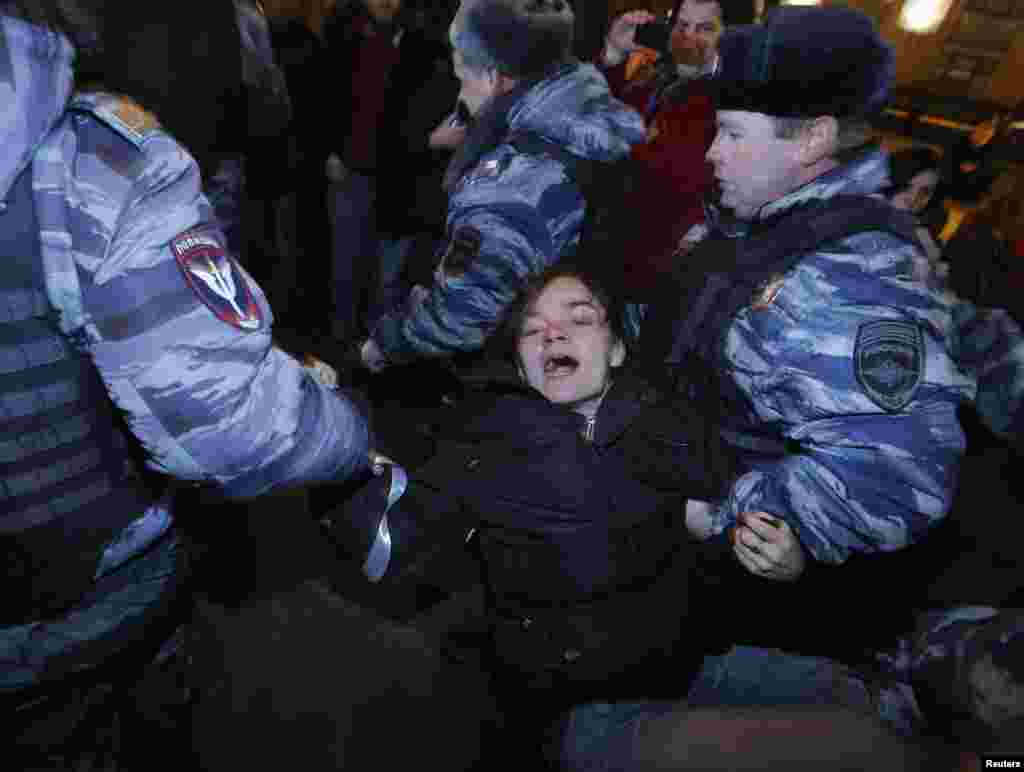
(654, 35)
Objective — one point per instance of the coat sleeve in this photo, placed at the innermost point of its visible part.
(184, 346)
(855, 477)
(633, 94)
(490, 250)
(989, 344)
(423, 539)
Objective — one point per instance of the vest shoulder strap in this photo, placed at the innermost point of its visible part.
(120, 113)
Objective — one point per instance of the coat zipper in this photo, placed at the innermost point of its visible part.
(588, 430)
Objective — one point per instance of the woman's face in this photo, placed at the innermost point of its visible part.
(919, 191)
(566, 348)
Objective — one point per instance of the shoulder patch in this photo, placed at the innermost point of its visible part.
(463, 248)
(889, 359)
(216, 278)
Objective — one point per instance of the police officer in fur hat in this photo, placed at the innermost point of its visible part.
(511, 213)
(798, 321)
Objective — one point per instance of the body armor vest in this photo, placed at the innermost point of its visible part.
(68, 483)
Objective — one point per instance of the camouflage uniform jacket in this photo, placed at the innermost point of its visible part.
(142, 282)
(512, 215)
(924, 682)
(848, 360)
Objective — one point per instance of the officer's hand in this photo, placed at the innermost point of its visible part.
(321, 371)
(621, 39)
(767, 546)
(371, 356)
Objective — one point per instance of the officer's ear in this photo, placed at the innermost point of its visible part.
(502, 83)
(818, 139)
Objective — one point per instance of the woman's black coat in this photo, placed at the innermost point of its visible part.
(583, 545)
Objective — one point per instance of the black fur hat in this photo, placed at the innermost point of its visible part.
(804, 62)
(519, 38)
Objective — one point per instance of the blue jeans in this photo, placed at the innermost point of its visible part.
(598, 737)
(392, 290)
(746, 676)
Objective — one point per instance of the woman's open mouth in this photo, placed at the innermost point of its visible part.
(559, 366)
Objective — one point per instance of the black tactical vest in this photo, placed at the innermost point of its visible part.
(68, 484)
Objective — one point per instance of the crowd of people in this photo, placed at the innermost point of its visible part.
(706, 479)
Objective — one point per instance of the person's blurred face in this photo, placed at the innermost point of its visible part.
(694, 41)
(476, 88)
(565, 347)
(995, 698)
(752, 166)
(918, 193)
(383, 10)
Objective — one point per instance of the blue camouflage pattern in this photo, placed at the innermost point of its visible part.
(209, 401)
(989, 344)
(861, 478)
(946, 643)
(526, 210)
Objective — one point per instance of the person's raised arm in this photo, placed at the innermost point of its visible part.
(184, 347)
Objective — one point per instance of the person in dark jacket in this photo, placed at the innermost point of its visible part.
(677, 107)
(393, 84)
(573, 484)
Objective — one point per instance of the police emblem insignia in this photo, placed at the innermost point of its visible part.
(216, 278)
(767, 292)
(462, 250)
(889, 359)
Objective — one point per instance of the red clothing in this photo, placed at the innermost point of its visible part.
(370, 74)
(675, 177)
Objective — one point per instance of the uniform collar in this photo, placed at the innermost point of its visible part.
(35, 83)
(865, 174)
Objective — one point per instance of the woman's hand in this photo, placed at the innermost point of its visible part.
(621, 39)
(767, 546)
(447, 136)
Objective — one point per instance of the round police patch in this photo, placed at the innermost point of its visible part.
(889, 361)
(216, 278)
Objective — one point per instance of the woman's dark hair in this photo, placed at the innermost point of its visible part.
(613, 305)
(907, 164)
